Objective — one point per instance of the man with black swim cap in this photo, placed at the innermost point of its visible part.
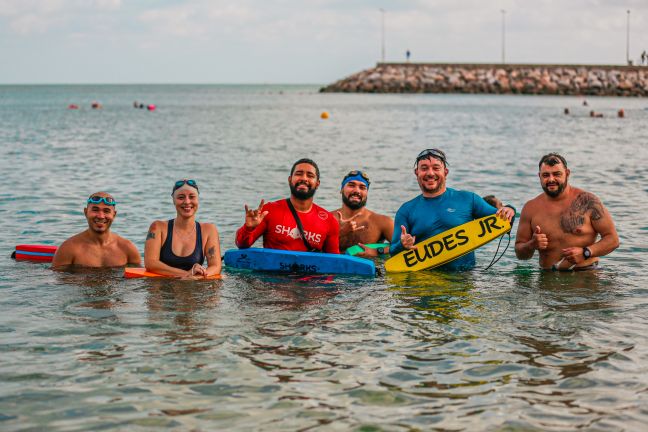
(358, 224)
(564, 222)
(97, 246)
(277, 221)
(439, 208)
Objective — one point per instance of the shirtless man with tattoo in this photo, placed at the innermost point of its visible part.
(564, 222)
(97, 246)
(359, 225)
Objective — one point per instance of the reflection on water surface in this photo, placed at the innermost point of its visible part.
(508, 348)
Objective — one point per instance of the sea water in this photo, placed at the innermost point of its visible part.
(509, 348)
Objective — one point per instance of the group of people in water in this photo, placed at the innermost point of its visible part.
(569, 227)
(596, 114)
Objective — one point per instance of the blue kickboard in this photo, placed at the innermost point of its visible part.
(298, 262)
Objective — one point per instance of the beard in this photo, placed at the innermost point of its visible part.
(557, 192)
(302, 195)
(440, 185)
(354, 205)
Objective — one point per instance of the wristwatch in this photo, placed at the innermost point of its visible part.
(587, 253)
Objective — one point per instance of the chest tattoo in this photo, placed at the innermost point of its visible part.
(574, 217)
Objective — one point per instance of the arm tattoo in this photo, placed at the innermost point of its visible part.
(150, 235)
(574, 217)
(210, 252)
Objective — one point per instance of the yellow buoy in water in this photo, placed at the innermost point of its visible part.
(324, 115)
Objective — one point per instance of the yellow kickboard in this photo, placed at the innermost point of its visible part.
(449, 245)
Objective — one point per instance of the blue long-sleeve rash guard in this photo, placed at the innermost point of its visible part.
(427, 217)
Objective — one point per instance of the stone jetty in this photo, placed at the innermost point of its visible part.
(600, 80)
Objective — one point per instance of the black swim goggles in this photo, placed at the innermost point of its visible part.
(99, 199)
(428, 153)
(181, 183)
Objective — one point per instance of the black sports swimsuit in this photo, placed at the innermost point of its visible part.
(187, 262)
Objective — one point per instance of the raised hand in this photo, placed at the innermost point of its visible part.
(539, 239)
(253, 217)
(348, 226)
(407, 240)
(506, 213)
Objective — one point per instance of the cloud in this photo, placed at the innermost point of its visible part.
(27, 17)
(265, 39)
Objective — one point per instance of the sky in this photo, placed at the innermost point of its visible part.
(298, 41)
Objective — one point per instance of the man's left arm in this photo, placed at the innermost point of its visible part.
(132, 254)
(609, 238)
(604, 225)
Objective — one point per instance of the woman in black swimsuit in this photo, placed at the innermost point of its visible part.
(178, 247)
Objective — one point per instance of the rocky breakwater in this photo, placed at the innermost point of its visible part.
(497, 79)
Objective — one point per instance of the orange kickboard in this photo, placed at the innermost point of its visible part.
(140, 272)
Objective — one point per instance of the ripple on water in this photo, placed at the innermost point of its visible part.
(509, 348)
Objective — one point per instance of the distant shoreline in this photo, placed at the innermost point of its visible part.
(493, 78)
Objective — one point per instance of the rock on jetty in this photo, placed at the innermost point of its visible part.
(602, 80)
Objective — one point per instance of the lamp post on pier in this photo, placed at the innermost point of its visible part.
(628, 39)
(382, 37)
(503, 36)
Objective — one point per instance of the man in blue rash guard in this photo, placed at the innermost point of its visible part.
(438, 209)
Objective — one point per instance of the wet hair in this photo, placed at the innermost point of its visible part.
(306, 161)
(552, 159)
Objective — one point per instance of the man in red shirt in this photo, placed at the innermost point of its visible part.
(277, 224)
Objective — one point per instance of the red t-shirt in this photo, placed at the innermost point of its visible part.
(279, 229)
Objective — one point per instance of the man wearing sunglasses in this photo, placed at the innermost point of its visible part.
(439, 208)
(358, 224)
(295, 223)
(97, 246)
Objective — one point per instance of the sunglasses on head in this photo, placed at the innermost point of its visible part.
(428, 153)
(99, 199)
(181, 183)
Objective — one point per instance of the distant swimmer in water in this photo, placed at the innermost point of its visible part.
(96, 105)
(494, 201)
(563, 223)
(358, 224)
(596, 114)
(178, 247)
(621, 113)
(566, 111)
(97, 246)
